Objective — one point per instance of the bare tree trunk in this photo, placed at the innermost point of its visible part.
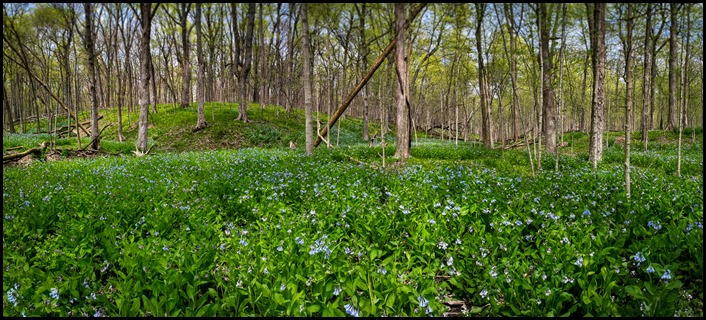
(646, 77)
(486, 130)
(201, 119)
(402, 149)
(685, 87)
(184, 9)
(245, 71)
(628, 95)
(561, 80)
(146, 15)
(549, 109)
(513, 68)
(308, 124)
(364, 64)
(672, 117)
(9, 120)
(90, 50)
(597, 31)
(259, 59)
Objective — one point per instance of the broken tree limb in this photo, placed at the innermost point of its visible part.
(97, 137)
(61, 103)
(365, 79)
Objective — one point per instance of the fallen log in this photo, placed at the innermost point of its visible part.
(20, 155)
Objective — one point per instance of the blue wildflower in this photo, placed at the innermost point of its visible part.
(54, 293)
(422, 301)
(587, 213)
(579, 262)
(650, 269)
(351, 310)
(667, 275)
(639, 258)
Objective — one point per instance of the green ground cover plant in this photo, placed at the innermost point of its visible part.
(270, 232)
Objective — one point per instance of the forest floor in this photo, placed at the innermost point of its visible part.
(265, 231)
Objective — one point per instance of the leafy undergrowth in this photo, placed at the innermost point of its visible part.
(258, 232)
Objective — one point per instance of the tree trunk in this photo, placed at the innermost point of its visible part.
(403, 139)
(146, 15)
(549, 109)
(90, 50)
(486, 130)
(245, 71)
(308, 124)
(597, 31)
(6, 105)
(201, 119)
(628, 95)
(513, 70)
(672, 116)
(685, 87)
(646, 78)
(364, 66)
(184, 9)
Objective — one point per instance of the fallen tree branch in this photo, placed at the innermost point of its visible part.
(97, 137)
(20, 155)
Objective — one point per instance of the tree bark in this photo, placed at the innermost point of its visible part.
(628, 94)
(486, 122)
(201, 119)
(402, 149)
(90, 50)
(596, 20)
(308, 125)
(245, 71)
(549, 109)
(146, 15)
(513, 69)
(672, 116)
(646, 78)
(685, 88)
(362, 82)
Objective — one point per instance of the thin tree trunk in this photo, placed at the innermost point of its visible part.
(685, 87)
(308, 124)
(146, 15)
(646, 78)
(486, 130)
(548, 107)
(90, 49)
(672, 116)
(245, 71)
(597, 31)
(201, 118)
(628, 95)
